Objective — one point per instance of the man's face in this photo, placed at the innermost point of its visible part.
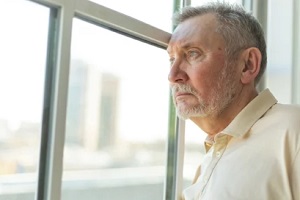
(203, 83)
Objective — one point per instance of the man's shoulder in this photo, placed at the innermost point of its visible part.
(284, 115)
(288, 109)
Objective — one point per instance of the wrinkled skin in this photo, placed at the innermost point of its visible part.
(208, 88)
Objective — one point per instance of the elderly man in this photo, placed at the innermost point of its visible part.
(218, 55)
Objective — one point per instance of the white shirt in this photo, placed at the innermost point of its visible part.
(255, 158)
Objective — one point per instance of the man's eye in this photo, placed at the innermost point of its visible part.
(191, 55)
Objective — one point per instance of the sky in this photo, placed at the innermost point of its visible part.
(23, 40)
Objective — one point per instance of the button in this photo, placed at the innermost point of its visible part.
(218, 154)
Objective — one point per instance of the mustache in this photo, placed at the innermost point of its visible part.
(183, 88)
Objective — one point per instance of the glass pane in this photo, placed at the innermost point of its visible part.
(155, 12)
(194, 151)
(279, 68)
(24, 29)
(117, 117)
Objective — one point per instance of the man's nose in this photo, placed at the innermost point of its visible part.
(177, 72)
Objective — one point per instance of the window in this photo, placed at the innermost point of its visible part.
(22, 74)
(117, 116)
(279, 68)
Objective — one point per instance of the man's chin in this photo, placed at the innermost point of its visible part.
(183, 114)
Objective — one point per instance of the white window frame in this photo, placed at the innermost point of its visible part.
(62, 13)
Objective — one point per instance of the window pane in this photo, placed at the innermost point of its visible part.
(279, 68)
(117, 117)
(24, 29)
(155, 12)
(194, 151)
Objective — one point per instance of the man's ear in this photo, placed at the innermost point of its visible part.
(251, 64)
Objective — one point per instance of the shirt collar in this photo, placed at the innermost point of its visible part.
(250, 114)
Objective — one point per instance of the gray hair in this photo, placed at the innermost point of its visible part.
(239, 29)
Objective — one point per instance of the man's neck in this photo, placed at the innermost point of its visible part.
(215, 124)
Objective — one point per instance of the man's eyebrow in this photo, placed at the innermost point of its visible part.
(190, 44)
(183, 46)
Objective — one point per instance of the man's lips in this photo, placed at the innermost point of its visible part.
(182, 95)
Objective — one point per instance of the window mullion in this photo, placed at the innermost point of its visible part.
(60, 93)
(55, 100)
(47, 106)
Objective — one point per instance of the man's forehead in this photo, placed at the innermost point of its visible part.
(184, 34)
(181, 36)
